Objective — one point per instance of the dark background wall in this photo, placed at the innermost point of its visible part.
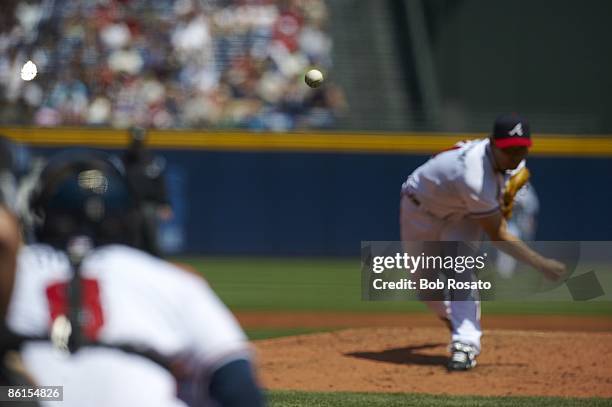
(325, 204)
(549, 58)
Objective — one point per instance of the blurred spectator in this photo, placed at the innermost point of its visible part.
(167, 63)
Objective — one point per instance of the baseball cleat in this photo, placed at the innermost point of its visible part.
(463, 357)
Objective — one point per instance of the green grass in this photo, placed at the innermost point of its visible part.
(308, 399)
(268, 333)
(296, 284)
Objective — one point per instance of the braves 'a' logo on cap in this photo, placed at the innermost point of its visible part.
(517, 130)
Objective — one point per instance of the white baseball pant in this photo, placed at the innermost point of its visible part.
(416, 224)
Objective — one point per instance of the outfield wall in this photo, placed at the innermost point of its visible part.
(283, 199)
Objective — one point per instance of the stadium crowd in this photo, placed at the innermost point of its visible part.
(167, 64)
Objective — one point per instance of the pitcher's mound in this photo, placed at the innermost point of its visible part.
(414, 360)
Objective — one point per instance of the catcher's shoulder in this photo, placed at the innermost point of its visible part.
(136, 261)
(187, 269)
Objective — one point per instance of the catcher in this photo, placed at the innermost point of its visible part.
(456, 196)
(10, 240)
(112, 324)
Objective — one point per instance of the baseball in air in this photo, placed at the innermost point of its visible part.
(313, 78)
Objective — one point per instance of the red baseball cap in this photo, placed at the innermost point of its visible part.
(511, 130)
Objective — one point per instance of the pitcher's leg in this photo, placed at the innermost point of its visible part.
(417, 227)
(464, 305)
(416, 224)
(465, 321)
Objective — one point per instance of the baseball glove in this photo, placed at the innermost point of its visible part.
(512, 186)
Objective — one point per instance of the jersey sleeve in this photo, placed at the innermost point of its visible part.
(36, 267)
(215, 336)
(479, 191)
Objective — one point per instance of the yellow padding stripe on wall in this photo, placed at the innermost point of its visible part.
(394, 143)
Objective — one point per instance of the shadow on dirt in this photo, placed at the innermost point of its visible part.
(406, 356)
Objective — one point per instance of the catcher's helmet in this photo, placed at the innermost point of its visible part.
(84, 194)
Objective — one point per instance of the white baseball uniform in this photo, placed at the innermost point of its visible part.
(129, 297)
(441, 201)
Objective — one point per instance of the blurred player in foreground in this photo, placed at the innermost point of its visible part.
(9, 244)
(456, 196)
(112, 324)
(9, 229)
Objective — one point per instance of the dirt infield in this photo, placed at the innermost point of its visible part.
(262, 319)
(401, 359)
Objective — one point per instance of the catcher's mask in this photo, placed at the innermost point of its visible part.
(84, 194)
